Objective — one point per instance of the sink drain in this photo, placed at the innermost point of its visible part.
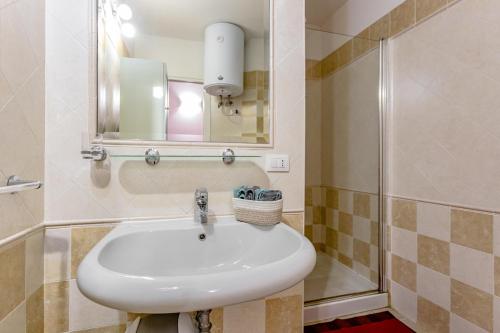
(202, 237)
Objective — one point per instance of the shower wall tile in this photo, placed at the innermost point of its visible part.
(442, 273)
(424, 8)
(431, 317)
(402, 17)
(442, 129)
(433, 253)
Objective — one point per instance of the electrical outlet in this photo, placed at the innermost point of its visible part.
(277, 163)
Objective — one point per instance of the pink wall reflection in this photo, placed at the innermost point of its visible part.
(185, 117)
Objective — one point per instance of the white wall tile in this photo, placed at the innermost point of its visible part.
(404, 301)
(472, 267)
(345, 201)
(460, 325)
(361, 228)
(434, 220)
(404, 243)
(345, 243)
(57, 254)
(433, 286)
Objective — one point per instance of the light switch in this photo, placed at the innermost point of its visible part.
(277, 163)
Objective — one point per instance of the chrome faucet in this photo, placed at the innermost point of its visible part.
(201, 205)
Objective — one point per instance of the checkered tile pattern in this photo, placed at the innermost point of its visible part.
(443, 271)
(344, 224)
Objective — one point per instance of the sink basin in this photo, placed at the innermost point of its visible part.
(164, 266)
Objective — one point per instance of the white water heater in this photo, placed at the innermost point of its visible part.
(224, 59)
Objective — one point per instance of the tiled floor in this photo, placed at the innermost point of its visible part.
(330, 279)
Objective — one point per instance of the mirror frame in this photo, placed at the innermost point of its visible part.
(93, 95)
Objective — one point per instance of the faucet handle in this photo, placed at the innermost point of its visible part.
(201, 195)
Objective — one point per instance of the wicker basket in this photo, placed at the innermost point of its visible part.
(258, 212)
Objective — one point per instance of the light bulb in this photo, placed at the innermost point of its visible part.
(128, 30)
(190, 105)
(124, 11)
(158, 92)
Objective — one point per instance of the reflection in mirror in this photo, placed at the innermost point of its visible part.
(193, 70)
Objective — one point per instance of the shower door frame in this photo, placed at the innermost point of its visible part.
(326, 308)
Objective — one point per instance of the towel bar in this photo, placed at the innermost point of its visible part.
(16, 184)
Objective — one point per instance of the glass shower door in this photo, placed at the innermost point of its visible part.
(343, 164)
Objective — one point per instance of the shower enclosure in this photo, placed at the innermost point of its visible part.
(344, 108)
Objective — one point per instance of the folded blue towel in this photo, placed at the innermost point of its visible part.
(246, 192)
(256, 193)
(268, 195)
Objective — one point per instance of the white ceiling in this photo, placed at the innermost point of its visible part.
(187, 19)
(319, 11)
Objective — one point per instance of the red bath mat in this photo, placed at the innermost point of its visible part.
(382, 322)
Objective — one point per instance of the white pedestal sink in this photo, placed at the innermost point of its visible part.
(167, 266)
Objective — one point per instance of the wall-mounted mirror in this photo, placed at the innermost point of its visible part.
(190, 70)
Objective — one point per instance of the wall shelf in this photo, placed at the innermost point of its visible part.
(153, 156)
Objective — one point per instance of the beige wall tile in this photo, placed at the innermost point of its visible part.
(82, 241)
(345, 53)
(380, 29)
(497, 275)
(434, 286)
(472, 229)
(472, 304)
(465, 265)
(12, 277)
(361, 44)
(345, 260)
(496, 314)
(426, 8)
(34, 263)
(361, 252)
(404, 214)
(434, 254)
(345, 223)
(217, 320)
(308, 196)
(331, 238)
(85, 314)
(496, 234)
(361, 205)
(332, 198)
(432, 318)
(402, 17)
(109, 329)
(250, 317)
(15, 321)
(317, 215)
(56, 307)
(404, 272)
(284, 314)
(374, 233)
(35, 311)
(296, 221)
